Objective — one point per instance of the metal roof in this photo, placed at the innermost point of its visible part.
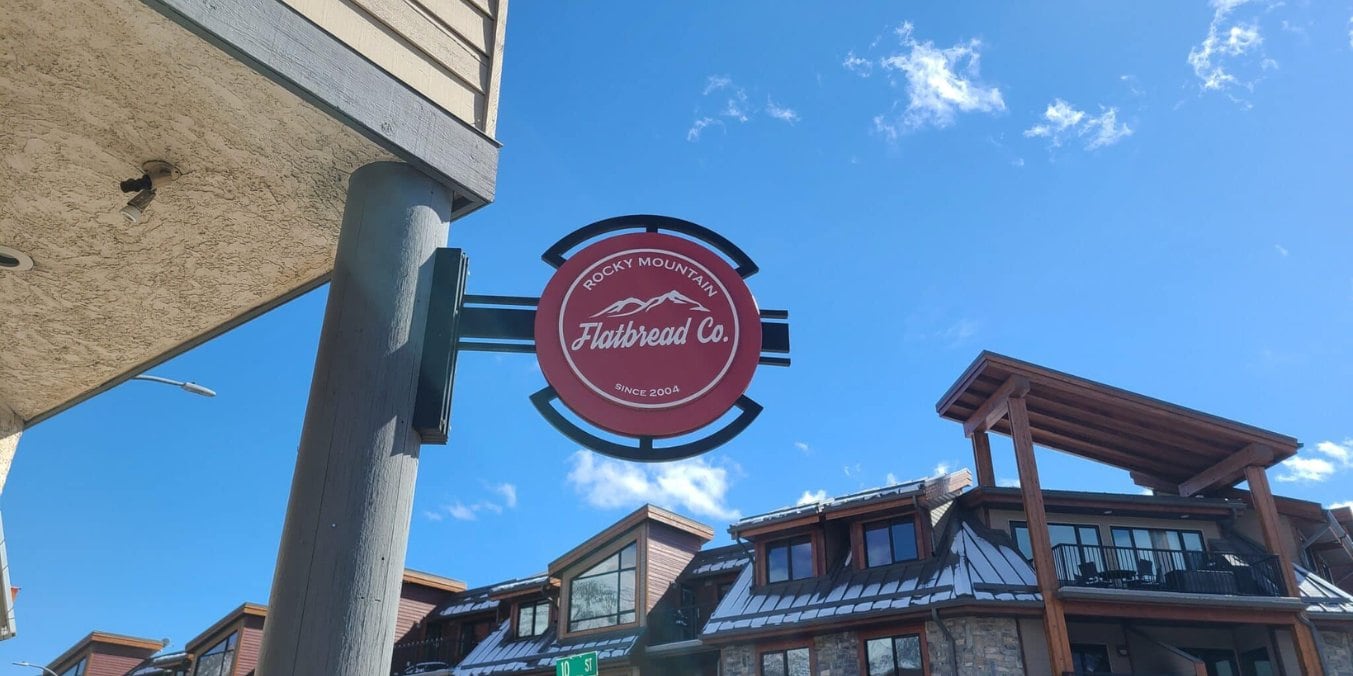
(1322, 597)
(898, 490)
(502, 654)
(719, 560)
(978, 564)
(466, 602)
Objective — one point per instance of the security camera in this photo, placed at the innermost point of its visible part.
(155, 174)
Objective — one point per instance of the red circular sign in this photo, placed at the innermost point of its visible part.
(648, 334)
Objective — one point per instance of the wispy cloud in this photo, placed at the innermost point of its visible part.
(803, 447)
(1063, 121)
(1008, 482)
(714, 83)
(693, 134)
(463, 511)
(852, 470)
(1231, 44)
(942, 469)
(695, 486)
(857, 65)
(781, 113)
(1337, 505)
(891, 480)
(811, 498)
(508, 491)
(1330, 458)
(940, 83)
(1282, 250)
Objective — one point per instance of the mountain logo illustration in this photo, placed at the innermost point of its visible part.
(633, 306)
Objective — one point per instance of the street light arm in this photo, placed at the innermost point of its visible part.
(45, 670)
(190, 387)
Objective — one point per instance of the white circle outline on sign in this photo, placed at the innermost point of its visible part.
(728, 298)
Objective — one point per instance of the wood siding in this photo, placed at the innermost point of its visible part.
(246, 649)
(669, 551)
(450, 51)
(115, 660)
(415, 603)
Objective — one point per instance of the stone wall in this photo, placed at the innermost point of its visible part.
(837, 654)
(986, 646)
(738, 660)
(1338, 653)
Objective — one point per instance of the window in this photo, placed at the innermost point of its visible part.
(890, 542)
(219, 659)
(894, 655)
(1158, 538)
(78, 669)
(793, 662)
(1059, 533)
(789, 559)
(603, 595)
(1090, 659)
(533, 619)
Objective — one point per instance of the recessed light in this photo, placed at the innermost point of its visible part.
(14, 260)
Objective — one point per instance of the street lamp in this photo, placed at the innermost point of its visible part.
(186, 387)
(45, 670)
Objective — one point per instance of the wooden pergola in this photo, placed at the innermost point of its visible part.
(1168, 448)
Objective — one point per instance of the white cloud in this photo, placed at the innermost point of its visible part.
(737, 107)
(1350, 32)
(852, 470)
(1337, 505)
(694, 486)
(779, 113)
(693, 134)
(803, 447)
(1229, 44)
(891, 479)
(460, 512)
(1282, 250)
(941, 469)
(811, 498)
(1062, 121)
(1340, 453)
(714, 83)
(434, 516)
(1304, 469)
(508, 491)
(940, 84)
(1008, 482)
(857, 65)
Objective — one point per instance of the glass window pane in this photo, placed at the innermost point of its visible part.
(1122, 537)
(904, 541)
(908, 649)
(627, 617)
(1168, 539)
(879, 652)
(611, 563)
(801, 560)
(1022, 541)
(1062, 534)
(773, 664)
(627, 597)
(1193, 541)
(876, 549)
(798, 662)
(542, 620)
(1141, 538)
(628, 556)
(1089, 535)
(594, 597)
(777, 563)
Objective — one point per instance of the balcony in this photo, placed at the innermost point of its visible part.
(422, 657)
(1167, 570)
(673, 625)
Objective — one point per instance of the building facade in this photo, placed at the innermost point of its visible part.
(944, 575)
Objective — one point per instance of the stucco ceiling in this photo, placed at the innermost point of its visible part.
(90, 89)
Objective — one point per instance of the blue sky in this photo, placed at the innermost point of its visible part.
(1150, 194)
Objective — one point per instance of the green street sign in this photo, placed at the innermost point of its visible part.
(577, 665)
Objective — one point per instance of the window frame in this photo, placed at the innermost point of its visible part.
(79, 668)
(231, 643)
(534, 607)
(1099, 537)
(888, 524)
(784, 648)
(1078, 649)
(789, 542)
(1179, 532)
(566, 620)
(893, 632)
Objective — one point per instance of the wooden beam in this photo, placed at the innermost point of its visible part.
(1054, 620)
(1264, 507)
(1227, 472)
(1100, 453)
(995, 407)
(981, 455)
(1154, 483)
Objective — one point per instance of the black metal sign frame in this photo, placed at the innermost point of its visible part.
(483, 323)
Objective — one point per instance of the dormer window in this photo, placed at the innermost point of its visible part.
(790, 559)
(218, 660)
(533, 618)
(603, 595)
(890, 542)
(78, 669)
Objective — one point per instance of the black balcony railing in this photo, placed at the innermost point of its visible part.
(678, 624)
(1167, 570)
(427, 656)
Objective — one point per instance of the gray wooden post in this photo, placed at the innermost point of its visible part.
(335, 592)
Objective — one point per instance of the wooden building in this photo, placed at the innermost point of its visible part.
(934, 576)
